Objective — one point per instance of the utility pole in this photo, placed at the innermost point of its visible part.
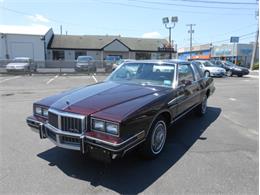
(256, 43)
(61, 29)
(191, 31)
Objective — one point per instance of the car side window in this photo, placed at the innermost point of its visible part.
(197, 71)
(185, 74)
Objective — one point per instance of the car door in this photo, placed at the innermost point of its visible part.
(187, 89)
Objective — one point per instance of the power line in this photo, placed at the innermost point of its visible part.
(182, 5)
(164, 9)
(218, 2)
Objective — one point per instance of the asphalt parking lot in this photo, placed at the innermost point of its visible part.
(214, 154)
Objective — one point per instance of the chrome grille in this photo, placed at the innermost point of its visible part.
(68, 122)
(73, 125)
(70, 140)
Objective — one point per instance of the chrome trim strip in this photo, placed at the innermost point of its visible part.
(113, 144)
(133, 146)
(184, 113)
(175, 99)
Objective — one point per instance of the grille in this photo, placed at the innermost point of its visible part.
(53, 119)
(70, 124)
(70, 140)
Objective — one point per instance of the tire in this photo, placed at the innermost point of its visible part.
(240, 75)
(207, 74)
(229, 73)
(202, 108)
(155, 141)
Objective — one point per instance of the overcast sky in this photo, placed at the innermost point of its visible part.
(216, 20)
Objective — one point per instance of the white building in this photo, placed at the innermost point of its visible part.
(24, 41)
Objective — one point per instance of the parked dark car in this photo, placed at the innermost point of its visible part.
(133, 107)
(231, 69)
(85, 63)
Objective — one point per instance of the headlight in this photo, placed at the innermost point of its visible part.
(112, 128)
(105, 126)
(45, 112)
(41, 111)
(98, 125)
(38, 110)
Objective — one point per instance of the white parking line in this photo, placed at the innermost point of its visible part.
(232, 99)
(94, 78)
(16, 77)
(52, 79)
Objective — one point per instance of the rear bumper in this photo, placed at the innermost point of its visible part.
(243, 72)
(82, 142)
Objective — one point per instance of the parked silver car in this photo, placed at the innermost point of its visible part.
(21, 64)
(209, 69)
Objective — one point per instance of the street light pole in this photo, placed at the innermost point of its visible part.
(166, 22)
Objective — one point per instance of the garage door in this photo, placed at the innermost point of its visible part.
(22, 50)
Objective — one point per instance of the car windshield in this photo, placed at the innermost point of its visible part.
(144, 74)
(229, 63)
(21, 60)
(208, 64)
(84, 58)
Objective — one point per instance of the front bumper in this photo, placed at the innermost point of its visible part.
(240, 72)
(84, 142)
(217, 74)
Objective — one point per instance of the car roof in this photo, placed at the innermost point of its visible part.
(165, 61)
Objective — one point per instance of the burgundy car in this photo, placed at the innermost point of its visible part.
(133, 107)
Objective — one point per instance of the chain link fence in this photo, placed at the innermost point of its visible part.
(57, 66)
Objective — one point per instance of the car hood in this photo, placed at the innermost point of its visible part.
(103, 97)
(17, 64)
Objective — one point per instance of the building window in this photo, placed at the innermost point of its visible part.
(80, 53)
(143, 56)
(58, 55)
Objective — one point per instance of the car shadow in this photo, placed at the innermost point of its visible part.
(132, 174)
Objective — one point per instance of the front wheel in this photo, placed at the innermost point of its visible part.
(155, 139)
(207, 74)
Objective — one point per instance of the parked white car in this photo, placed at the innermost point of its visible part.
(209, 69)
(21, 64)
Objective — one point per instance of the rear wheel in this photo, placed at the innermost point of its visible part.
(229, 73)
(155, 139)
(202, 108)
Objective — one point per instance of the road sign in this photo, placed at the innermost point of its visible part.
(234, 39)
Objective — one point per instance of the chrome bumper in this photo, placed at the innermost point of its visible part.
(82, 142)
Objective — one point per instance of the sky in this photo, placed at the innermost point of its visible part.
(216, 20)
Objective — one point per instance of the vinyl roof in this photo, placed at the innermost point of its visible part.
(98, 42)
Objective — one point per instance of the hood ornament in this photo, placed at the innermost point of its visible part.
(68, 103)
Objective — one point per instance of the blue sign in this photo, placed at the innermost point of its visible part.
(234, 39)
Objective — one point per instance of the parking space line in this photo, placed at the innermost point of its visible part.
(16, 77)
(94, 78)
(52, 79)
